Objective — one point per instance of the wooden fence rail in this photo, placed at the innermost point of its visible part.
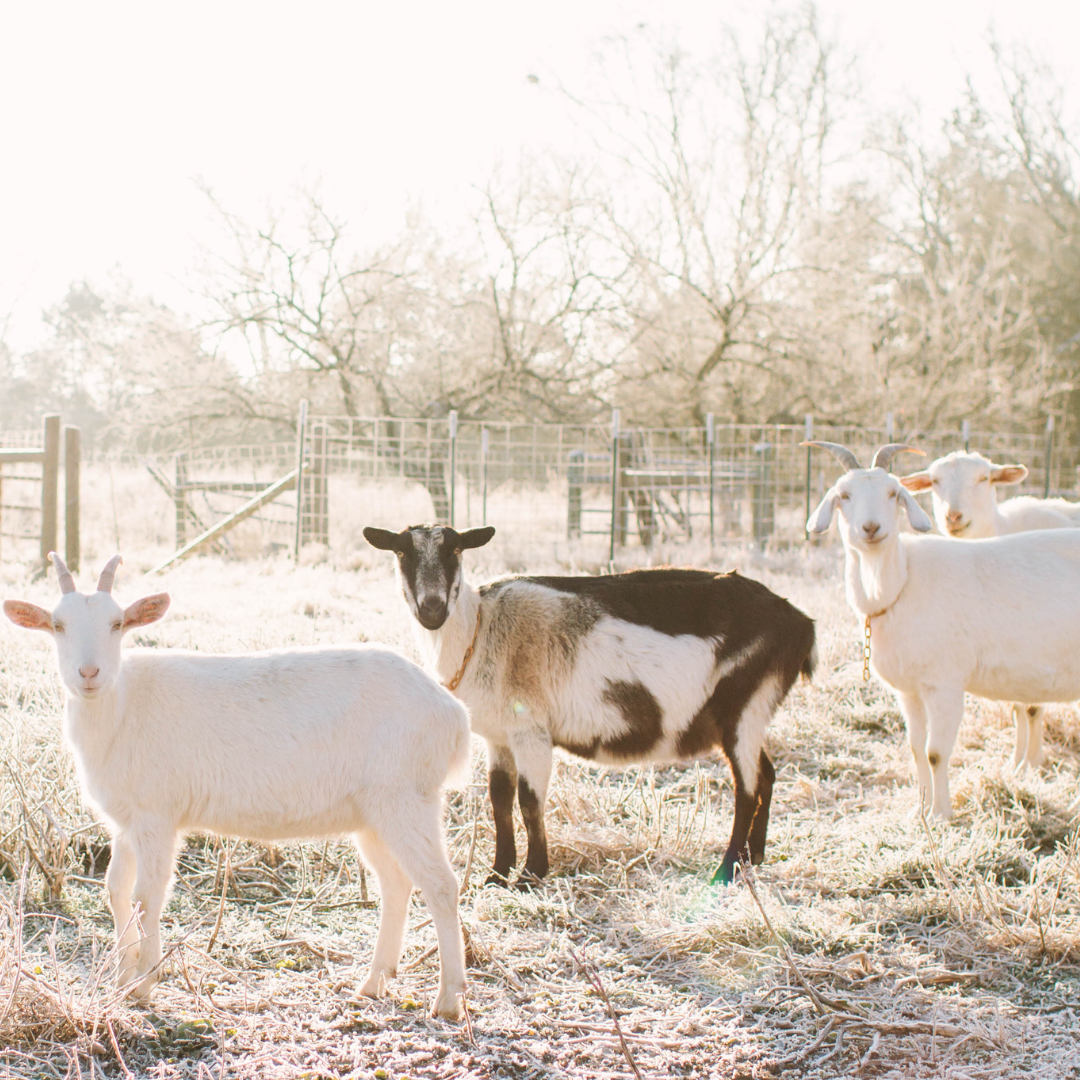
(48, 457)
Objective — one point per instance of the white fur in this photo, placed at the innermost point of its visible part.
(994, 617)
(289, 744)
(963, 489)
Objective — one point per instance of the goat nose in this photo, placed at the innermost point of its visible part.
(953, 516)
(871, 528)
(432, 610)
(88, 672)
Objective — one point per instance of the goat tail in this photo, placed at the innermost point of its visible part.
(443, 758)
(810, 662)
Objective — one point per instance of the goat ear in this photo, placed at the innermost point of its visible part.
(474, 538)
(822, 517)
(915, 513)
(1008, 474)
(147, 610)
(28, 616)
(383, 539)
(916, 481)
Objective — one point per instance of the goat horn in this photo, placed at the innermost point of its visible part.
(841, 453)
(63, 574)
(885, 455)
(105, 582)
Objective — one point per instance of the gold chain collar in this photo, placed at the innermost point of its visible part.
(866, 643)
(455, 682)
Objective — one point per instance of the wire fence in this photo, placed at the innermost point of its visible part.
(601, 485)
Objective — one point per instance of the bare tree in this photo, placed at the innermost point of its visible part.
(303, 303)
(547, 300)
(716, 177)
(979, 313)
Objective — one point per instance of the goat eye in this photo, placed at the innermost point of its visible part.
(400, 554)
(118, 625)
(983, 479)
(844, 495)
(58, 627)
(892, 494)
(457, 551)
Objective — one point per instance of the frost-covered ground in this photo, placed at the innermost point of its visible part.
(873, 943)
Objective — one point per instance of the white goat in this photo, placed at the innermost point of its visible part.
(963, 488)
(649, 665)
(289, 744)
(963, 491)
(996, 617)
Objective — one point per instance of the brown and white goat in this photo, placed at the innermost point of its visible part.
(648, 665)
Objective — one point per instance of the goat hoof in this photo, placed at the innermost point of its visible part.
(725, 873)
(141, 991)
(448, 1005)
(495, 878)
(527, 882)
(374, 986)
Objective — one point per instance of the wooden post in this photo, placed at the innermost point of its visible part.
(614, 483)
(180, 500)
(710, 435)
(483, 471)
(965, 434)
(301, 425)
(808, 432)
(71, 497)
(319, 509)
(50, 484)
(1049, 454)
(453, 461)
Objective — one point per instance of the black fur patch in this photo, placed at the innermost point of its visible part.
(501, 793)
(934, 759)
(701, 736)
(643, 715)
(536, 861)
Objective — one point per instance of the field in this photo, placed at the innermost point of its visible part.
(871, 943)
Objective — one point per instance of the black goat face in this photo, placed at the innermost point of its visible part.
(429, 565)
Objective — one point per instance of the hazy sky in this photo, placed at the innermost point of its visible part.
(109, 112)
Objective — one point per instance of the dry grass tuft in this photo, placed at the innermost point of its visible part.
(873, 943)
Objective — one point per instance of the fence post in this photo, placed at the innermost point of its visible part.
(1049, 454)
(888, 427)
(614, 481)
(965, 434)
(50, 475)
(319, 530)
(301, 425)
(180, 500)
(483, 473)
(808, 430)
(453, 462)
(71, 497)
(710, 439)
(762, 509)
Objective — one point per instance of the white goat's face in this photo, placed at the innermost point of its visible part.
(869, 502)
(962, 487)
(429, 566)
(87, 629)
